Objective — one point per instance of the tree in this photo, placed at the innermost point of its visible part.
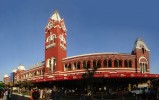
(89, 76)
(25, 85)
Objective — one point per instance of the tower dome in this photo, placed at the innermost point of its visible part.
(6, 76)
(14, 70)
(21, 67)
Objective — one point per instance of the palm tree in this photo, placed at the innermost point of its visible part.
(88, 78)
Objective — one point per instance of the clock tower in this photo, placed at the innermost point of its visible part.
(142, 53)
(55, 44)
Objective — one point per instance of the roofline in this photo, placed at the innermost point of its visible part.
(89, 54)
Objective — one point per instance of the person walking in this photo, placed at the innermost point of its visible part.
(9, 94)
(35, 94)
(1, 94)
(5, 95)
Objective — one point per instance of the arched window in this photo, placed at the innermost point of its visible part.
(48, 63)
(143, 50)
(37, 72)
(84, 65)
(99, 63)
(130, 63)
(146, 67)
(126, 63)
(34, 73)
(142, 64)
(74, 65)
(88, 64)
(69, 66)
(65, 67)
(105, 63)
(42, 71)
(115, 63)
(29, 74)
(78, 65)
(109, 63)
(94, 63)
(52, 38)
(120, 63)
(51, 63)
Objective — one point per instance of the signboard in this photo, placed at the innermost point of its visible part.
(108, 75)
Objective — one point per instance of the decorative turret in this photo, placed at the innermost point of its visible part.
(55, 21)
(6, 79)
(139, 44)
(56, 16)
(55, 43)
(5, 76)
(141, 51)
(21, 67)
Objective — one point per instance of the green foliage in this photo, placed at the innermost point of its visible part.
(89, 72)
(26, 84)
(88, 77)
(155, 83)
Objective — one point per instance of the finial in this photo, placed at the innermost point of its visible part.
(56, 16)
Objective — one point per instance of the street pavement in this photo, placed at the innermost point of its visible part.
(19, 97)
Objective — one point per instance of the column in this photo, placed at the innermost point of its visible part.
(112, 63)
(102, 65)
(91, 64)
(122, 63)
(81, 64)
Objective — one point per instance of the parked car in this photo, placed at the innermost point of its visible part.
(140, 90)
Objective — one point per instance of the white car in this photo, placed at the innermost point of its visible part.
(140, 90)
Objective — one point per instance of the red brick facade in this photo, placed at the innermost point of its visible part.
(59, 67)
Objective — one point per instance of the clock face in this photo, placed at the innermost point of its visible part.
(50, 25)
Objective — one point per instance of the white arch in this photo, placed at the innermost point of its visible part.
(62, 38)
(53, 63)
(47, 63)
(143, 67)
(51, 37)
(142, 57)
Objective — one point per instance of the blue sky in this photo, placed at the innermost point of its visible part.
(92, 26)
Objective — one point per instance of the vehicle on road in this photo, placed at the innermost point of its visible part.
(140, 90)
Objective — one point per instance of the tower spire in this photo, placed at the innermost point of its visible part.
(56, 16)
(55, 43)
(139, 43)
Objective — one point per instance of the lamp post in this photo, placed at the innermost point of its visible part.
(13, 78)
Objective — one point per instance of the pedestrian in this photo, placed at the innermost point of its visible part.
(45, 94)
(9, 95)
(5, 94)
(41, 94)
(143, 95)
(1, 94)
(52, 96)
(35, 94)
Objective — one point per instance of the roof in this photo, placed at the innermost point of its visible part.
(6, 76)
(14, 70)
(21, 67)
(56, 16)
(107, 75)
(139, 43)
(91, 54)
(38, 64)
